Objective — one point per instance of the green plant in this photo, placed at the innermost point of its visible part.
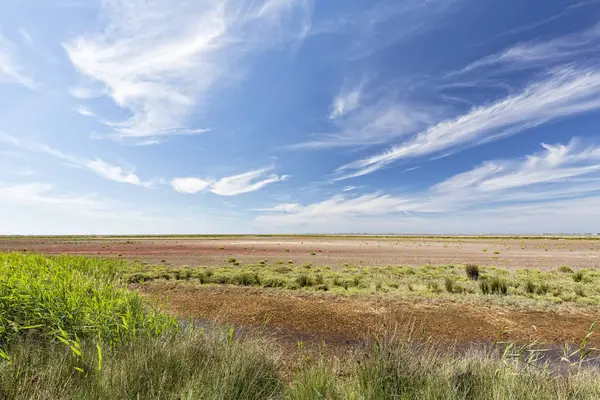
(494, 285)
(72, 297)
(529, 287)
(303, 280)
(472, 271)
(449, 284)
(565, 269)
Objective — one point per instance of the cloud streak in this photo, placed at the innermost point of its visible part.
(228, 186)
(345, 102)
(158, 59)
(100, 167)
(375, 123)
(86, 112)
(559, 172)
(542, 53)
(10, 70)
(566, 92)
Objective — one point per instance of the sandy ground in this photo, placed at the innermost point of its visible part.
(340, 320)
(508, 253)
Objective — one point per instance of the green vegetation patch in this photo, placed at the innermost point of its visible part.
(562, 285)
(68, 296)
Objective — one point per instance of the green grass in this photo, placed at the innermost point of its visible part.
(71, 296)
(71, 330)
(469, 281)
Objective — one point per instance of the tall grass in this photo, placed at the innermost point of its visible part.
(70, 297)
(192, 364)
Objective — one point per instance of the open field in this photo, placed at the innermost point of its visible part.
(509, 252)
(299, 318)
(73, 328)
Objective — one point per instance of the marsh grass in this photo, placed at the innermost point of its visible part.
(429, 280)
(70, 296)
(70, 330)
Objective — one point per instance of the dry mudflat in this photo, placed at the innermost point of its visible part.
(511, 253)
(342, 320)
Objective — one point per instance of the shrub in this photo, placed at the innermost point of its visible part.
(529, 286)
(312, 253)
(543, 288)
(578, 276)
(245, 278)
(449, 284)
(303, 280)
(231, 260)
(565, 269)
(472, 271)
(580, 290)
(319, 280)
(495, 285)
(434, 287)
(281, 269)
(273, 282)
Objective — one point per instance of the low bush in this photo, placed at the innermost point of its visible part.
(565, 269)
(472, 271)
(494, 285)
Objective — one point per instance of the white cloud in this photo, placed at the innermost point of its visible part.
(190, 185)
(345, 102)
(112, 172)
(337, 208)
(560, 172)
(84, 93)
(86, 112)
(42, 194)
(567, 92)
(10, 70)
(376, 123)
(159, 58)
(348, 188)
(99, 167)
(542, 53)
(228, 186)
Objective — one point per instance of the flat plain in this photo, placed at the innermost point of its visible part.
(507, 252)
(345, 316)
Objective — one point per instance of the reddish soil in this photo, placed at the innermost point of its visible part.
(342, 320)
(508, 253)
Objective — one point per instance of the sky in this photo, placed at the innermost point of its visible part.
(298, 116)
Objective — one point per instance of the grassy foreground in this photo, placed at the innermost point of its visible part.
(70, 330)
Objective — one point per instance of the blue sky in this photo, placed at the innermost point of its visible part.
(293, 116)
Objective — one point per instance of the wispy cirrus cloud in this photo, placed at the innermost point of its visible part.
(98, 166)
(377, 122)
(368, 29)
(228, 186)
(564, 93)
(86, 112)
(43, 194)
(159, 59)
(559, 172)
(541, 53)
(346, 101)
(10, 70)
